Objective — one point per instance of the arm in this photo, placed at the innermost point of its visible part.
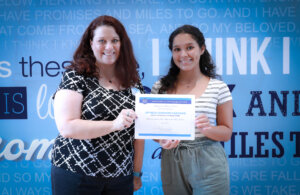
(67, 114)
(138, 162)
(223, 130)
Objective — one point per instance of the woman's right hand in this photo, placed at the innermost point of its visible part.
(124, 120)
(168, 144)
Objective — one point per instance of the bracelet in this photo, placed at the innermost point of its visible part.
(137, 174)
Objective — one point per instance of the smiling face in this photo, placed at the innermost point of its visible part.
(186, 52)
(106, 45)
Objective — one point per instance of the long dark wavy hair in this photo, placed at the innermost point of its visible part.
(206, 63)
(126, 64)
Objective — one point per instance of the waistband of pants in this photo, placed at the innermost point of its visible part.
(192, 144)
(198, 142)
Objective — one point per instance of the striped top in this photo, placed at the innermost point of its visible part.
(216, 93)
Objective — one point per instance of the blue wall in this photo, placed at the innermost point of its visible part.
(255, 44)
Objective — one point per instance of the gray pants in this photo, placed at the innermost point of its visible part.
(195, 167)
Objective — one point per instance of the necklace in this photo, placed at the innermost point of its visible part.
(106, 80)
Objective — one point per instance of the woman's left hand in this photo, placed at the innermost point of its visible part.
(137, 183)
(202, 123)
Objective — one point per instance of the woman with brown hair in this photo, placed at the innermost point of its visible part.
(196, 166)
(95, 151)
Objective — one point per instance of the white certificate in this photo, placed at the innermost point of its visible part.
(165, 116)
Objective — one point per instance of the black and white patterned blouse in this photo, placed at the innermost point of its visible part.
(106, 156)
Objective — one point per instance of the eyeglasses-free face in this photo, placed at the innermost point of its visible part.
(106, 45)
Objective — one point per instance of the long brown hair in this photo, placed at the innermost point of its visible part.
(126, 65)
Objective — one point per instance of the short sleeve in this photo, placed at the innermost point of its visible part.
(224, 93)
(156, 87)
(72, 81)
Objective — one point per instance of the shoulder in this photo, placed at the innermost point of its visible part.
(71, 73)
(217, 83)
(72, 76)
(137, 88)
(72, 80)
(156, 87)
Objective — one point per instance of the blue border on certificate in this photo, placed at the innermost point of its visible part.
(157, 100)
(157, 134)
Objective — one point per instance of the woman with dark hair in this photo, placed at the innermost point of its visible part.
(95, 151)
(199, 166)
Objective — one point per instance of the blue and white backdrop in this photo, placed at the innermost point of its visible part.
(255, 44)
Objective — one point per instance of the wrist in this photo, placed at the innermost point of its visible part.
(137, 174)
(115, 126)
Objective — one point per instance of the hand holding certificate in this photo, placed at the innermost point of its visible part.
(165, 116)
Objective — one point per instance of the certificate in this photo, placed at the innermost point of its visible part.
(162, 116)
